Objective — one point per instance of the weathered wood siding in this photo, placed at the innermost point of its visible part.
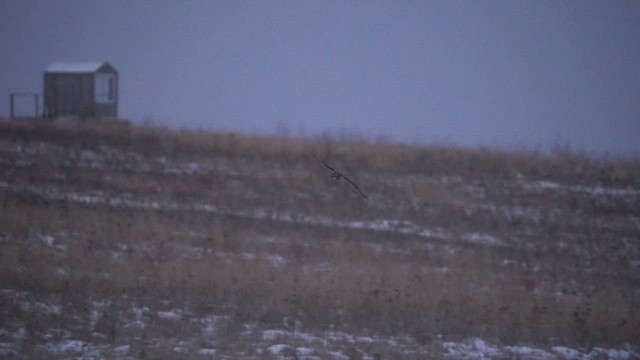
(74, 94)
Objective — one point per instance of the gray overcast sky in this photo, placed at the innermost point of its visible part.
(472, 73)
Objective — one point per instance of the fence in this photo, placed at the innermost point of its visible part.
(32, 95)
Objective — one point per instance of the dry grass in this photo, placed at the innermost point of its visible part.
(564, 273)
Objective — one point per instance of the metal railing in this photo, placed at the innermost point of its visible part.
(36, 101)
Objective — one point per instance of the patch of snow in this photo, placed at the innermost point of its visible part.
(269, 335)
(482, 239)
(392, 342)
(139, 312)
(210, 322)
(565, 352)
(304, 351)
(207, 352)
(72, 345)
(277, 349)
(55, 333)
(544, 185)
(475, 191)
(365, 339)
(598, 190)
(478, 349)
(195, 252)
(99, 337)
(122, 348)
(48, 240)
(193, 168)
(51, 242)
(170, 315)
(99, 198)
(336, 336)
(529, 353)
(276, 260)
(42, 308)
(338, 355)
(309, 338)
(138, 315)
(94, 317)
(473, 349)
(277, 334)
(62, 272)
(484, 347)
(599, 353)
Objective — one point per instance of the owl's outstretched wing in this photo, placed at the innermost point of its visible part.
(323, 164)
(354, 186)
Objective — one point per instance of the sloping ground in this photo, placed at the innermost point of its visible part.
(132, 242)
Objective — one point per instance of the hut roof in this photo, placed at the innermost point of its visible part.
(64, 67)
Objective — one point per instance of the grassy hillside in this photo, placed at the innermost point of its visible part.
(135, 241)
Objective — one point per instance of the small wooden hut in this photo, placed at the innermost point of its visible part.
(83, 90)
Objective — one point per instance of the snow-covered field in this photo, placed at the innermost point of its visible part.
(159, 245)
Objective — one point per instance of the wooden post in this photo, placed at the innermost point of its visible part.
(11, 106)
